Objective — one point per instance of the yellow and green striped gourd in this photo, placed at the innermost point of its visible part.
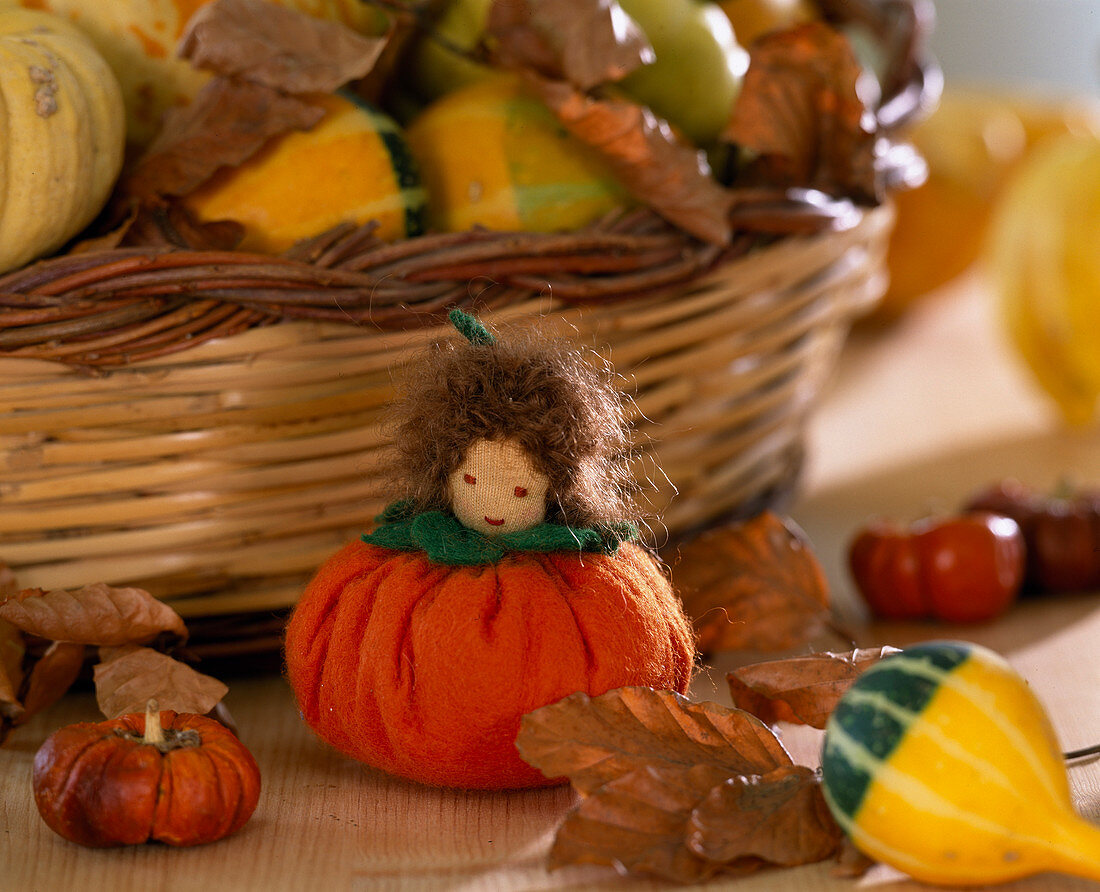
(941, 762)
(352, 166)
(493, 155)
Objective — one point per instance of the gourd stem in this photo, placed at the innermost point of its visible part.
(154, 733)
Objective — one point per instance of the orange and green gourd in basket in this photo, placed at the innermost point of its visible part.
(493, 155)
(507, 577)
(941, 762)
(352, 166)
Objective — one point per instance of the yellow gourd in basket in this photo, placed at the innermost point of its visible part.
(941, 762)
(493, 156)
(61, 134)
(352, 166)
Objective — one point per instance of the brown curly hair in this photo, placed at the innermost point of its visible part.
(544, 393)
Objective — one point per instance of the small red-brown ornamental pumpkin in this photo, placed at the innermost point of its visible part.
(180, 779)
(424, 669)
(1061, 532)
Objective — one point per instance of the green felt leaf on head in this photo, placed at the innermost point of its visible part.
(471, 329)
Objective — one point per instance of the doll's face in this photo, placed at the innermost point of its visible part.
(497, 489)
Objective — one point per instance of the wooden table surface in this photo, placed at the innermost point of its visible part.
(917, 417)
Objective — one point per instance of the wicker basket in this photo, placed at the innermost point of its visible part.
(211, 426)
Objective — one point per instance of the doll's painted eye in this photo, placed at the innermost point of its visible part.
(521, 492)
(469, 478)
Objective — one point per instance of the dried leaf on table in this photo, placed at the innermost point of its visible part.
(127, 678)
(51, 676)
(641, 823)
(755, 585)
(804, 689)
(265, 43)
(44, 679)
(646, 156)
(851, 863)
(583, 42)
(780, 818)
(95, 614)
(653, 768)
(593, 740)
(801, 114)
(12, 651)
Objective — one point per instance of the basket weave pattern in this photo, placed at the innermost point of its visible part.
(211, 425)
(221, 475)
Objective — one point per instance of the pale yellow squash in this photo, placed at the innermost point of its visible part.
(138, 39)
(61, 134)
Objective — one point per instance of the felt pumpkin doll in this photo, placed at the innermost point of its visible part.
(507, 578)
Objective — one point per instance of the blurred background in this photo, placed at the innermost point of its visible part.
(1013, 193)
(1046, 45)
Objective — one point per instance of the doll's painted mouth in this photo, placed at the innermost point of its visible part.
(495, 523)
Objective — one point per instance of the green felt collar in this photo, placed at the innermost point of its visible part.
(446, 541)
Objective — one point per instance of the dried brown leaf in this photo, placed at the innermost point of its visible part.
(646, 156)
(593, 740)
(780, 818)
(94, 614)
(583, 42)
(851, 863)
(127, 678)
(51, 676)
(12, 651)
(656, 771)
(755, 585)
(640, 823)
(801, 689)
(226, 123)
(800, 111)
(270, 61)
(166, 223)
(266, 43)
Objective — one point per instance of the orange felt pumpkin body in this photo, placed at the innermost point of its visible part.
(425, 670)
(99, 784)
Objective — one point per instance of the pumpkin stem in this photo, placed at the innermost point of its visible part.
(469, 327)
(154, 733)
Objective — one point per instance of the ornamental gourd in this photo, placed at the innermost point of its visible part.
(168, 777)
(959, 568)
(62, 134)
(493, 155)
(941, 762)
(505, 581)
(1061, 532)
(352, 166)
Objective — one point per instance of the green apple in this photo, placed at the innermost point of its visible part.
(692, 83)
(699, 66)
